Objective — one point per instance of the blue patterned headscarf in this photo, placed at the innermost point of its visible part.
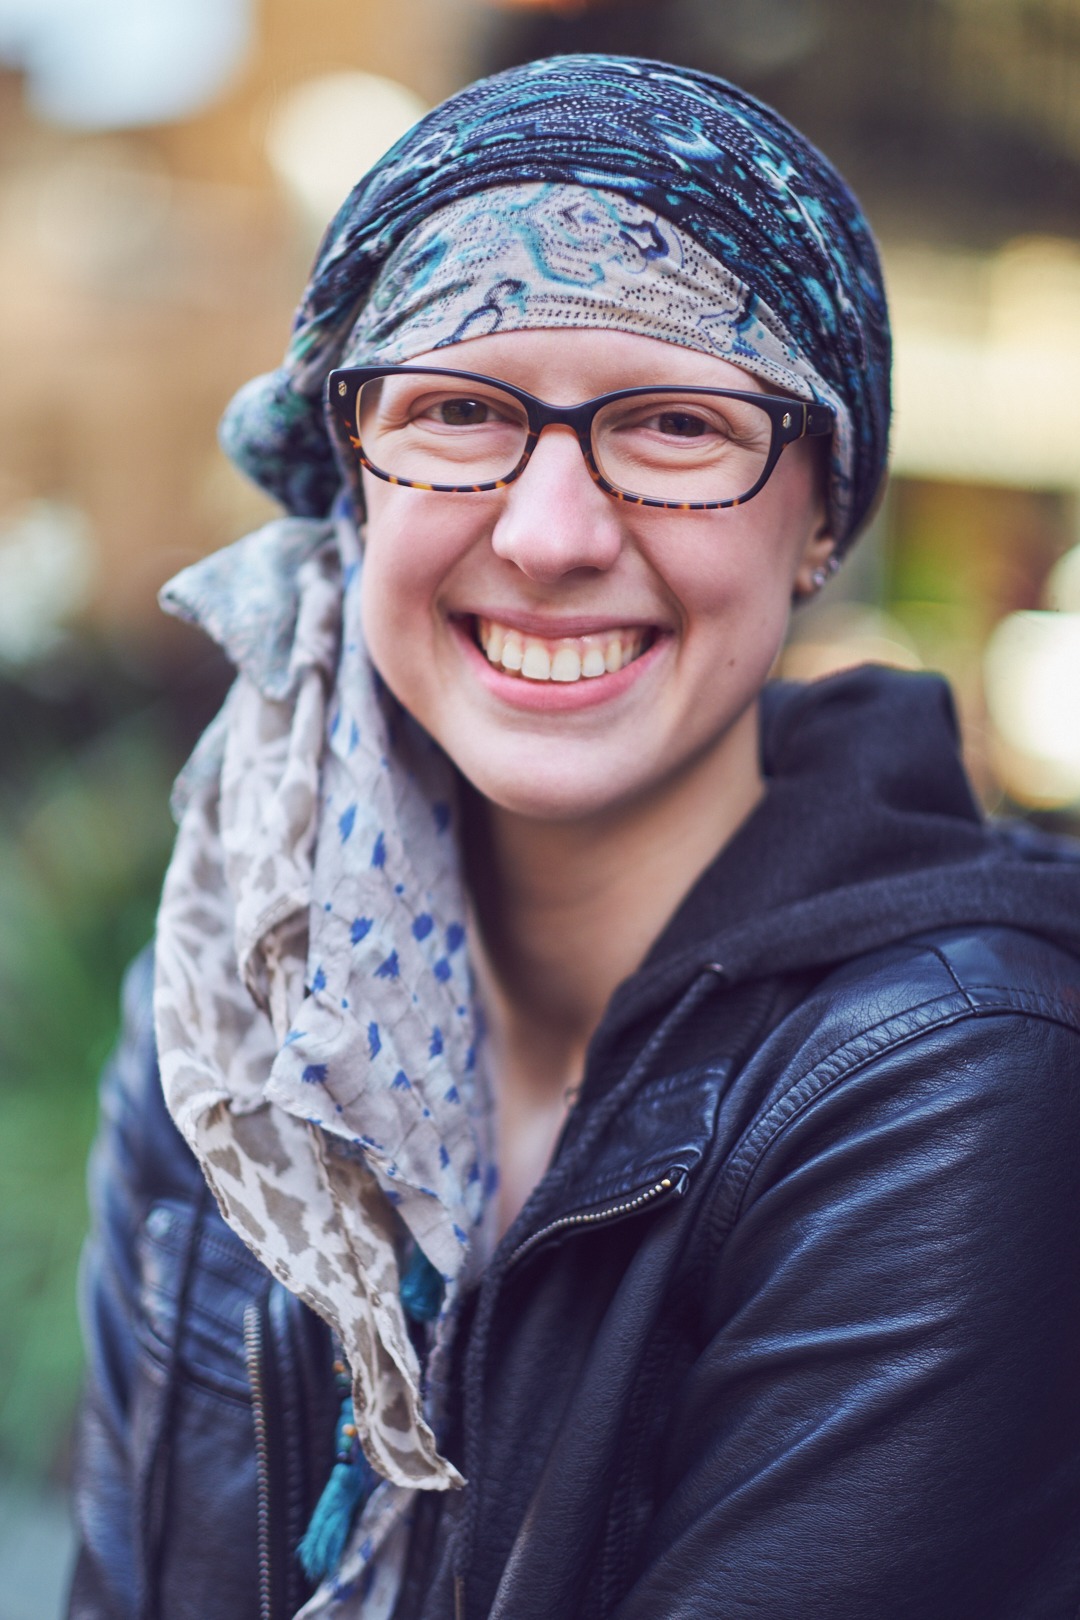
(726, 170)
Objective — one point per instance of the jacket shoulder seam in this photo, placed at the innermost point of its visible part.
(951, 971)
(856, 1053)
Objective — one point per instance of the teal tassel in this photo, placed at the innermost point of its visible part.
(422, 1288)
(351, 1481)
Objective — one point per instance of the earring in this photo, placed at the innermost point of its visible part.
(822, 575)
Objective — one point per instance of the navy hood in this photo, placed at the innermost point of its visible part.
(868, 833)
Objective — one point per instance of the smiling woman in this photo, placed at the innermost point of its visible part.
(638, 1099)
(553, 560)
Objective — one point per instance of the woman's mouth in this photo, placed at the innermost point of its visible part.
(565, 659)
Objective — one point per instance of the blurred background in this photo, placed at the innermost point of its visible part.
(165, 169)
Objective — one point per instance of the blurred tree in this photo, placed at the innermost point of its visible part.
(84, 836)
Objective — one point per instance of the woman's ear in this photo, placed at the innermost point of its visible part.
(817, 562)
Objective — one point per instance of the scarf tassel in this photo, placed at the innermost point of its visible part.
(351, 1481)
(352, 1478)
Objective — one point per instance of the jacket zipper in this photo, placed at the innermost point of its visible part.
(672, 1184)
(253, 1356)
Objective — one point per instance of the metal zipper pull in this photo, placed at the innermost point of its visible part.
(459, 1597)
(673, 1184)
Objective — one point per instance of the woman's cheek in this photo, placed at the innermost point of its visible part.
(404, 569)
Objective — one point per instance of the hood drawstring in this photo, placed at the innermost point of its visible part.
(352, 1478)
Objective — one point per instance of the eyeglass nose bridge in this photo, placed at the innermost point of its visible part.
(578, 418)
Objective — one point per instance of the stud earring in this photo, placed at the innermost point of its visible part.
(822, 575)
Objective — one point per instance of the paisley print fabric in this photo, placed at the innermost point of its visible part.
(536, 255)
(700, 154)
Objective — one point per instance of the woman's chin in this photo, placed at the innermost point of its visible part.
(555, 795)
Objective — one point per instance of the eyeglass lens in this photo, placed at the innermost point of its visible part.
(428, 429)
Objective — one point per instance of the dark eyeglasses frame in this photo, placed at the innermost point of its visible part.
(791, 419)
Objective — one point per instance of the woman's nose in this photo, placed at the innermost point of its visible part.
(554, 518)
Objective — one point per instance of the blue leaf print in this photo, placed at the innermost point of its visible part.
(346, 822)
(388, 969)
(423, 925)
(360, 929)
(374, 1040)
(315, 1073)
(378, 854)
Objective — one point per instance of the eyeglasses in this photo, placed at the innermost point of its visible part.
(457, 432)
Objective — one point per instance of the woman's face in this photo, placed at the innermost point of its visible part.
(698, 602)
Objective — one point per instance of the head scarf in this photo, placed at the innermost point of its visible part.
(699, 153)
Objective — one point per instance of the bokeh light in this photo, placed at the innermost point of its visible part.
(328, 130)
(1063, 585)
(47, 568)
(106, 64)
(987, 352)
(1032, 674)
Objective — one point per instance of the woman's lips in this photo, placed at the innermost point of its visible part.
(550, 682)
(565, 659)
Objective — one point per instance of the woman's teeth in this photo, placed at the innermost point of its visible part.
(570, 658)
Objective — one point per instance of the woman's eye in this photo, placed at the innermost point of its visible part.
(461, 412)
(680, 425)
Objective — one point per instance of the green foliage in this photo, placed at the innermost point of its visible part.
(83, 844)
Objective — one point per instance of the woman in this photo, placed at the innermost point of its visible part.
(640, 1100)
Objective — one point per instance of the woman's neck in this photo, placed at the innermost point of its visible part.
(565, 911)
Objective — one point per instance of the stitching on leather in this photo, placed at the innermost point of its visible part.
(195, 1377)
(155, 1351)
(947, 965)
(1052, 1007)
(829, 1071)
(237, 1263)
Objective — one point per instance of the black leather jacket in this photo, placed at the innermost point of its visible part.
(788, 1331)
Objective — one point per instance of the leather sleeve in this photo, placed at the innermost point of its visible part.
(166, 1488)
(138, 1157)
(883, 1420)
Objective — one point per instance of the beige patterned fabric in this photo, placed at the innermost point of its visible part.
(315, 1023)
